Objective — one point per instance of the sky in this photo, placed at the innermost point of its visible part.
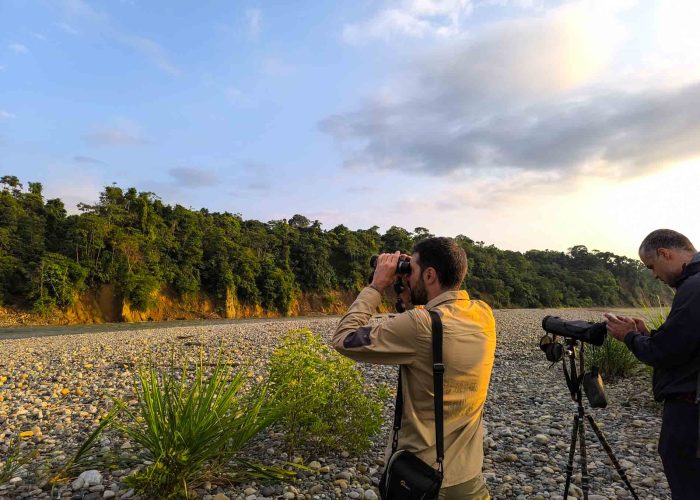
(520, 123)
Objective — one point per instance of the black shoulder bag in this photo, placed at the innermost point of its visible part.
(407, 477)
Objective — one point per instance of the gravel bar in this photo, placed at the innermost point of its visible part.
(57, 388)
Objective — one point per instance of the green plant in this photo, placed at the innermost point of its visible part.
(139, 289)
(85, 455)
(192, 423)
(55, 282)
(328, 404)
(14, 462)
(613, 359)
(654, 316)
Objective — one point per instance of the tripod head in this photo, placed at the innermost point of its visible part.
(576, 376)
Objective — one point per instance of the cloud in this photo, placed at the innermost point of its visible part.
(150, 49)
(6, 114)
(18, 48)
(87, 159)
(123, 135)
(412, 18)
(522, 96)
(67, 28)
(253, 17)
(193, 177)
(100, 25)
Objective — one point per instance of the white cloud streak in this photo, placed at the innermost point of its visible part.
(412, 18)
(99, 25)
(254, 18)
(18, 48)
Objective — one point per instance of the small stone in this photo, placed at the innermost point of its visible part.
(542, 439)
(220, 496)
(648, 481)
(370, 495)
(315, 465)
(108, 494)
(250, 491)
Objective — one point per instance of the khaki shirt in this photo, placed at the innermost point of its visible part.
(469, 343)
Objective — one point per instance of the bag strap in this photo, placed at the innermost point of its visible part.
(438, 374)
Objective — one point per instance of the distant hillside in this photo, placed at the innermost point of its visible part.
(142, 251)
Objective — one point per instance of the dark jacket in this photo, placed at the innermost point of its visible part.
(674, 349)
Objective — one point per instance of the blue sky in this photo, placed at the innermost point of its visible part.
(523, 123)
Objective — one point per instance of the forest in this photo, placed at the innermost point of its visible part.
(136, 243)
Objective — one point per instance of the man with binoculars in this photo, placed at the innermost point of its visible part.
(433, 276)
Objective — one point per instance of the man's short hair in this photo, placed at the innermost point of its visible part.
(447, 258)
(665, 238)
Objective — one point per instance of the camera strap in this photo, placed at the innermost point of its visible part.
(438, 373)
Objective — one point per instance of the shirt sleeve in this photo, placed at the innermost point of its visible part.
(391, 342)
(677, 341)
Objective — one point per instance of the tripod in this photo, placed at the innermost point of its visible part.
(578, 432)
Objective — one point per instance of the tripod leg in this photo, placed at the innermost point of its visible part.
(570, 464)
(610, 453)
(584, 463)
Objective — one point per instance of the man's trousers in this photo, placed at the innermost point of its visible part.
(678, 447)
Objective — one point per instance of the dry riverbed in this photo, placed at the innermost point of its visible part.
(58, 387)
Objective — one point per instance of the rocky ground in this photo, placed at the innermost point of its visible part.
(56, 388)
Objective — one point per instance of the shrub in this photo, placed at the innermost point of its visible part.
(613, 359)
(327, 402)
(56, 281)
(191, 425)
(139, 288)
(654, 316)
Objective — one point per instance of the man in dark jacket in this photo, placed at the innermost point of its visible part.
(674, 352)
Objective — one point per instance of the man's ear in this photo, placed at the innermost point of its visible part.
(430, 276)
(664, 252)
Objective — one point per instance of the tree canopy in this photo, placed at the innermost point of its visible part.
(133, 241)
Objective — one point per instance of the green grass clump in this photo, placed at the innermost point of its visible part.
(328, 404)
(654, 315)
(613, 359)
(15, 461)
(191, 422)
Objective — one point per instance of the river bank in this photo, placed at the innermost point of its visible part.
(58, 386)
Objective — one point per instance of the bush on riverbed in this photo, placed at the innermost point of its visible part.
(328, 404)
(191, 424)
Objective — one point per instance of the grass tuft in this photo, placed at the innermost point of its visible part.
(191, 424)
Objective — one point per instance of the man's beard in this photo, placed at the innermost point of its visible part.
(419, 295)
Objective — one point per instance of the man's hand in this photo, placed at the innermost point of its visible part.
(620, 326)
(641, 327)
(385, 271)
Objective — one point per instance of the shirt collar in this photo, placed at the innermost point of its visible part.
(696, 258)
(448, 296)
